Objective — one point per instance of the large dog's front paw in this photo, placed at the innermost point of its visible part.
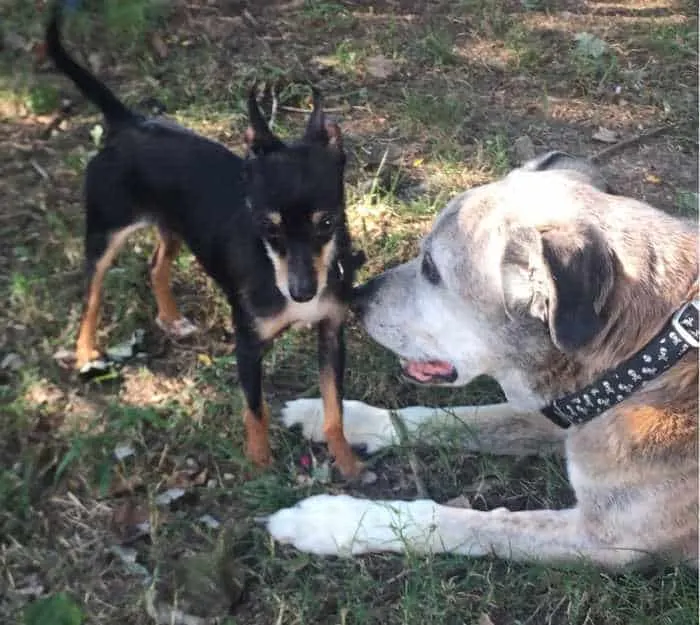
(364, 425)
(340, 525)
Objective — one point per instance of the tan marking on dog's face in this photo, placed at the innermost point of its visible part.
(281, 268)
(300, 314)
(274, 218)
(322, 263)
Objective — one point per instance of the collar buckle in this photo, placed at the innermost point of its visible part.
(681, 315)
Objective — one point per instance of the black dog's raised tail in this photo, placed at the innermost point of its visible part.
(112, 108)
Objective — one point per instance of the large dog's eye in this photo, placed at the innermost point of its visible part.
(429, 270)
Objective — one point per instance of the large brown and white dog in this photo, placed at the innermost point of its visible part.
(574, 300)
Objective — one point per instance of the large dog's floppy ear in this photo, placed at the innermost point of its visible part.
(258, 136)
(319, 129)
(563, 276)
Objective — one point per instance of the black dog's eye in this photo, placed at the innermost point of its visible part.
(325, 225)
(272, 230)
(429, 270)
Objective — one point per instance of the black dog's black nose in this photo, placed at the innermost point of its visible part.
(302, 291)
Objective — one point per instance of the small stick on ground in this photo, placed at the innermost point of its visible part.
(620, 145)
(400, 428)
(295, 109)
(40, 170)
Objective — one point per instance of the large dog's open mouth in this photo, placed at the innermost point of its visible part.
(429, 371)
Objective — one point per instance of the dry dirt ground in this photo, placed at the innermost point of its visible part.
(432, 97)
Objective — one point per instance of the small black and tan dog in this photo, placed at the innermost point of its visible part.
(270, 229)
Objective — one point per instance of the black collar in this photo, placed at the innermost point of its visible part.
(678, 336)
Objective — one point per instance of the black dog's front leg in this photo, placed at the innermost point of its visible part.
(249, 354)
(331, 357)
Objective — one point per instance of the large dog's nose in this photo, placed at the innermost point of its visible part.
(362, 295)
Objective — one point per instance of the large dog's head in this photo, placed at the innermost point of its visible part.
(297, 198)
(540, 280)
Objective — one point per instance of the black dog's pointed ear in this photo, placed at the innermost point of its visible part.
(318, 129)
(563, 276)
(258, 136)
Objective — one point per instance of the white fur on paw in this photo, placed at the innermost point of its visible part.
(180, 328)
(364, 425)
(341, 525)
(335, 525)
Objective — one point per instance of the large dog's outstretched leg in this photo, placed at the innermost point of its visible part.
(343, 526)
(496, 428)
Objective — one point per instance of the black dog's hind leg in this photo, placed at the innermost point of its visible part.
(101, 248)
(169, 318)
(331, 357)
(249, 355)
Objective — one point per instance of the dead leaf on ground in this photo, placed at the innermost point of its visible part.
(188, 478)
(159, 45)
(12, 361)
(368, 477)
(461, 501)
(123, 450)
(95, 62)
(129, 348)
(65, 358)
(128, 556)
(325, 61)
(210, 521)
(380, 67)
(484, 619)
(44, 392)
(588, 45)
(605, 135)
(14, 42)
(130, 520)
(524, 149)
(122, 485)
(170, 495)
(31, 586)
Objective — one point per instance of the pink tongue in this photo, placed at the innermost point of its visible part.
(427, 370)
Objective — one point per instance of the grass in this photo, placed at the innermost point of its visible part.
(469, 78)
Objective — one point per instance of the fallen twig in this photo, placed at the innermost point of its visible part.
(295, 109)
(607, 152)
(40, 170)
